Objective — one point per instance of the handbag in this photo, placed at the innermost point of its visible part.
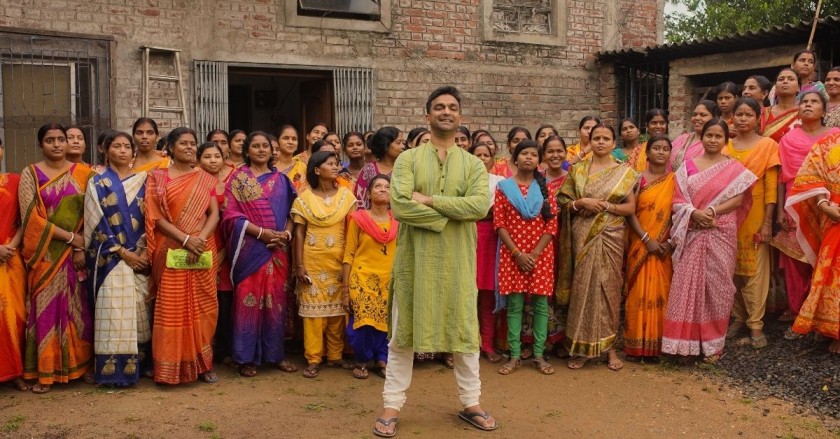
(176, 259)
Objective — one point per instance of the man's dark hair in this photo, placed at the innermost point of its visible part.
(440, 91)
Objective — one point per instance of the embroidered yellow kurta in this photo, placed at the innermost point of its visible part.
(370, 272)
(433, 284)
(323, 251)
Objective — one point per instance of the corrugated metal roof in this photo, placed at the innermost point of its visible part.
(828, 27)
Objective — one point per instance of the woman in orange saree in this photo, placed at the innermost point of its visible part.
(182, 214)
(59, 328)
(813, 204)
(777, 120)
(12, 283)
(649, 255)
(793, 149)
(656, 124)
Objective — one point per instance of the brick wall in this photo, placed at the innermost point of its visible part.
(431, 42)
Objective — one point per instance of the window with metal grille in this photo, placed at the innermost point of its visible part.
(44, 79)
(640, 88)
(210, 93)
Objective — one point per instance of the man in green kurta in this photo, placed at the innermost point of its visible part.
(438, 192)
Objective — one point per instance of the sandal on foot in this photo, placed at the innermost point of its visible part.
(41, 389)
(381, 368)
(360, 372)
(759, 342)
(339, 364)
(386, 423)
(247, 370)
(493, 357)
(20, 385)
(615, 365)
(470, 418)
(790, 334)
(734, 329)
(511, 365)
(311, 371)
(210, 377)
(542, 366)
(285, 366)
(449, 361)
(577, 362)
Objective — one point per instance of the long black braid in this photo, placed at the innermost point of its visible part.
(545, 211)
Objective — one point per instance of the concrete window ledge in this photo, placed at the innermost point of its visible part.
(293, 19)
(557, 38)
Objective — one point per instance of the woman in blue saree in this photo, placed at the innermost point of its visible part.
(118, 265)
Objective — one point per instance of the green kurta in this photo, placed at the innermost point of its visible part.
(433, 284)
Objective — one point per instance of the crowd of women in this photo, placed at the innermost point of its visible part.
(154, 262)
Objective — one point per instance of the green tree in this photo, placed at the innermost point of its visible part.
(703, 19)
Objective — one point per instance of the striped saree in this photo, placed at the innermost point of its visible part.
(186, 307)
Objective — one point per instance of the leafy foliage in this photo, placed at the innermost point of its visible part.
(703, 19)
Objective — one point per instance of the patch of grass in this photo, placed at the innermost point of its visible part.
(315, 406)
(13, 424)
(706, 389)
(215, 436)
(207, 427)
(553, 414)
(747, 401)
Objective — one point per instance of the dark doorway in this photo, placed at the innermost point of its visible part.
(267, 98)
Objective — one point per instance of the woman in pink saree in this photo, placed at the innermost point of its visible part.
(706, 212)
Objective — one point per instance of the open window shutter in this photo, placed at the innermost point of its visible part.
(210, 81)
(353, 99)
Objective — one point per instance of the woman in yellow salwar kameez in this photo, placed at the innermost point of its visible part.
(649, 255)
(12, 283)
(596, 197)
(760, 155)
(813, 204)
(318, 245)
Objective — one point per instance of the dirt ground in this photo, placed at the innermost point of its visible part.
(641, 401)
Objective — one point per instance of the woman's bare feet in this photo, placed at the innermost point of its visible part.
(615, 364)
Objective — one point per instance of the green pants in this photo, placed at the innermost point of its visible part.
(515, 304)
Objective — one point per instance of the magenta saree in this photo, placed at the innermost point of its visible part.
(260, 275)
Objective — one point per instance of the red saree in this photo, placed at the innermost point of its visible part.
(12, 285)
